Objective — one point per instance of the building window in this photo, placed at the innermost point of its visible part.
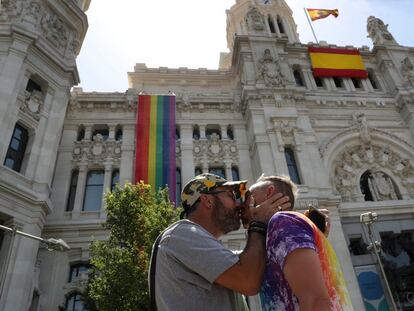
(93, 191)
(198, 171)
(72, 191)
(230, 133)
(81, 133)
(319, 82)
(33, 86)
(118, 133)
(77, 269)
(280, 25)
(357, 246)
(101, 130)
(338, 82)
(114, 179)
(298, 77)
(196, 132)
(74, 302)
(235, 173)
(372, 80)
(178, 185)
(357, 83)
(17, 148)
(378, 186)
(271, 25)
(177, 133)
(217, 171)
(211, 130)
(292, 166)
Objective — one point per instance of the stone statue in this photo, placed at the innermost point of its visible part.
(407, 70)
(381, 187)
(269, 70)
(254, 20)
(360, 121)
(378, 31)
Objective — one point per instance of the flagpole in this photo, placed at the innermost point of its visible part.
(310, 24)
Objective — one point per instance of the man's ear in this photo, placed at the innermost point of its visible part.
(270, 191)
(206, 201)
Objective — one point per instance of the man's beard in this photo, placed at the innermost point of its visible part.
(226, 219)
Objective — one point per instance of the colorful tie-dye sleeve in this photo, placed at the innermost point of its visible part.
(287, 232)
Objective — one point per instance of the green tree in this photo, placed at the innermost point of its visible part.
(118, 279)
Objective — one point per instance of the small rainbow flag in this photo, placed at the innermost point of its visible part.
(155, 142)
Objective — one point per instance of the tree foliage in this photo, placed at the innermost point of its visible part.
(118, 279)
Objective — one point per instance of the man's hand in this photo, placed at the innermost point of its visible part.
(264, 211)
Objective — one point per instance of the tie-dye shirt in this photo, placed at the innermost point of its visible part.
(288, 231)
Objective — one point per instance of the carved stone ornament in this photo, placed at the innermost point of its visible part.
(360, 122)
(98, 150)
(269, 71)
(12, 7)
(32, 11)
(54, 30)
(215, 150)
(32, 103)
(407, 70)
(349, 165)
(255, 20)
(378, 31)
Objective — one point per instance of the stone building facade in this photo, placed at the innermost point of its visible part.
(348, 143)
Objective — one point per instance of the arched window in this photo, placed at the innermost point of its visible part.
(298, 77)
(196, 132)
(114, 179)
(212, 129)
(72, 191)
(271, 25)
(81, 133)
(292, 166)
(178, 184)
(17, 148)
(118, 133)
(280, 25)
(230, 133)
(102, 130)
(74, 302)
(93, 191)
(217, 171)
(235, 173)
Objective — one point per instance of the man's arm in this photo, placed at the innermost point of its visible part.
(246, 276)
(303, 272)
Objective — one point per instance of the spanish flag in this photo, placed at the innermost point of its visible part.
(334, 62)
(315, 14)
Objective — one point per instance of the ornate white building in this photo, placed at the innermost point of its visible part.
(348, 143)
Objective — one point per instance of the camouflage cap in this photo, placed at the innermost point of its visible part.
(206, 183)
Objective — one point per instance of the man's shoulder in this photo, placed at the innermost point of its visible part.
(185, 228)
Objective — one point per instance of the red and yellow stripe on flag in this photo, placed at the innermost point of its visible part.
(333, 62)
(315, 14)
(155, 142)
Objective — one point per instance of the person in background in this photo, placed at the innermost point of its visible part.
(302, 271)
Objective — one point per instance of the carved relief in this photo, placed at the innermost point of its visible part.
(54, 30)
(348, 166)
(360, 122)
(97, 151)
(269, 71)
(215, 150)
(254, 20)
(378, 31)
(407, 70)
(32, 12)
(32, 104)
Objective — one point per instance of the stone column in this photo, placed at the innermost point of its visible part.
(187, 159)
(278, 151)
(112, 128)
(223, 129)
(80, 190)
(88, 131)
(126, 170)
(202, 129)
(308, 77)
(245, 168)
(106, 187)
(227, 165)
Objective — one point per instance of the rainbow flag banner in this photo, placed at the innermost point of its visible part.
(155, 142)
(334, 62)
(315, 14)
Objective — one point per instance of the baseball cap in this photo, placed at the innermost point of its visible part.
(205, 183)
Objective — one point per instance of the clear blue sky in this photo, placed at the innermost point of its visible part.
(192, 33)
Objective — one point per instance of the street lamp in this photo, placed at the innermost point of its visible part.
(374, 246)
(51, 245)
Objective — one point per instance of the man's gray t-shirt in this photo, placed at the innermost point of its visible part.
(189, 260)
